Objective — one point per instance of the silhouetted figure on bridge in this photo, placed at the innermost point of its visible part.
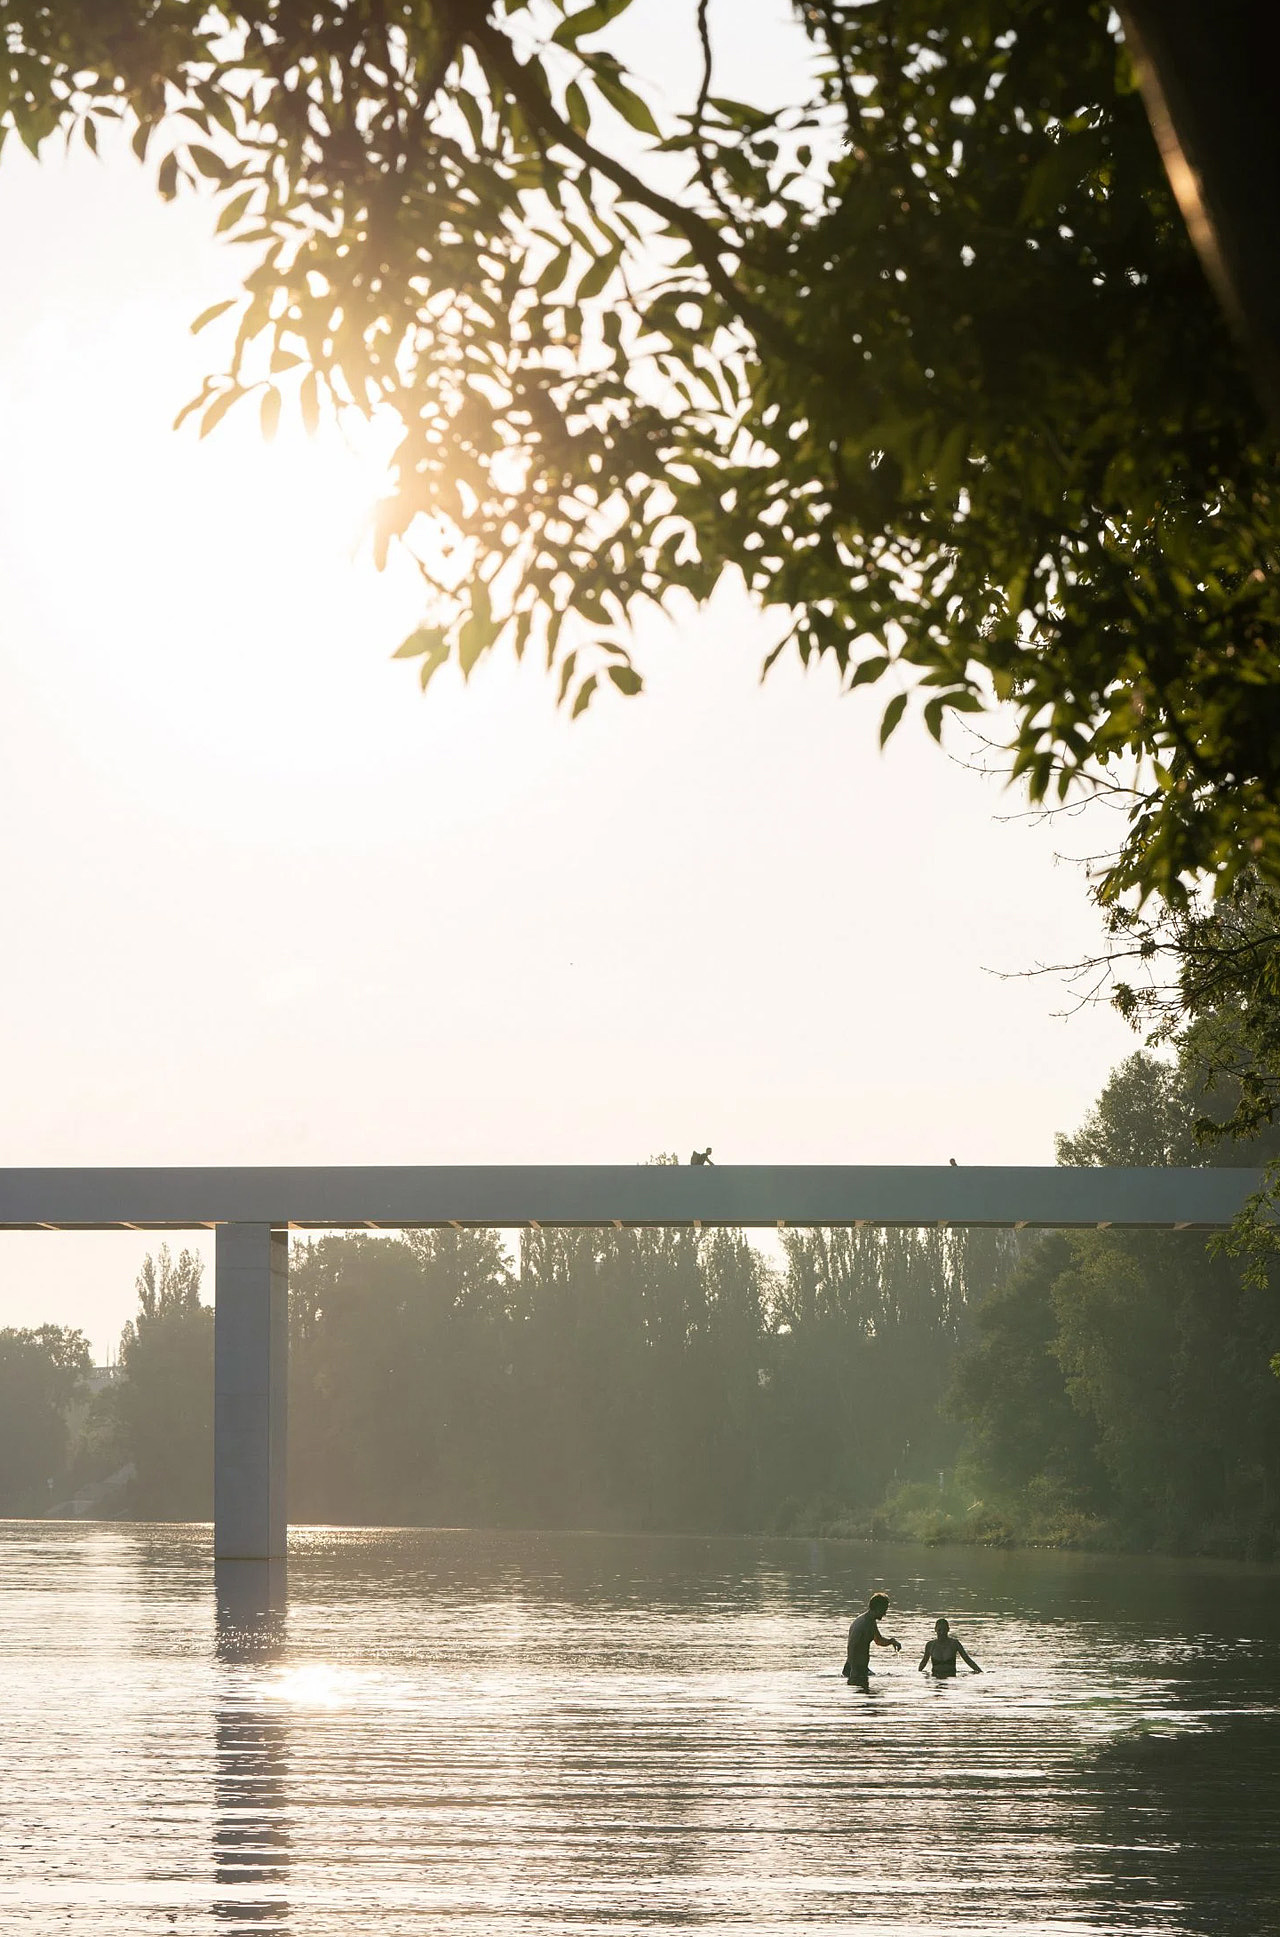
(701, 1156)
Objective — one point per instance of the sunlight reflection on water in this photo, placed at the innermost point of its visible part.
(320, 1685)
(535, 1734)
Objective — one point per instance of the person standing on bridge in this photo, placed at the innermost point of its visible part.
(862, 1632)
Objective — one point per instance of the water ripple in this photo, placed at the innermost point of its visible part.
(572, 1734)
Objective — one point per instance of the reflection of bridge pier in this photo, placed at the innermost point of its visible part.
(250, 1837)
(252, 1211)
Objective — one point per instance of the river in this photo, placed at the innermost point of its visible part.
(509, 1734)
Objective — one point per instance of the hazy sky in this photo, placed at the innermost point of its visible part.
(267, 904)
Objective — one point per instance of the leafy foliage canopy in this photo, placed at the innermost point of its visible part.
(925, 355)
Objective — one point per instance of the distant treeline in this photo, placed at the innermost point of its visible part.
(1096, 1388)
(621, 1378)
(601, 1378)
(59, 1435)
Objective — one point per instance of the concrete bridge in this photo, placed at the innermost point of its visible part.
(253, 1211)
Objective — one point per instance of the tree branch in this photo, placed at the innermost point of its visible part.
(706, 174)
(700, 234)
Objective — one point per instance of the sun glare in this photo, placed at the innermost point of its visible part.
(303, 503)
(320, 1685)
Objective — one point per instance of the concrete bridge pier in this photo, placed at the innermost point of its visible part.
(250, 1404)
(250, 1597)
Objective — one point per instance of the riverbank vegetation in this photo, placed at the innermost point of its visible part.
(42, 1376)
(1092, 1389)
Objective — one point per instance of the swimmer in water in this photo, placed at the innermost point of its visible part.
(940, 1653)
(862, 1632)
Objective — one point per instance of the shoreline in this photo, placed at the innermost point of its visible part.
(827, 1534)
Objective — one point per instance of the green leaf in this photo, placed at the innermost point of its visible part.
(577, 109)
(589, 20)
(219, 407)
(193, 403)
(520, 639)
(892, 714)
(309, 400)
(167, 178)
(566, 674)
(234, 209)
(478, 632)
(214, 310)
(554, 624)
(630, 105)
(473, 115)
(627, 680)
(583, 701)
(772, 657)
(207, 162)
(596, 276)
(431, 666)
(428, 638)
(556, 270)
(868, 670)
(270, 412)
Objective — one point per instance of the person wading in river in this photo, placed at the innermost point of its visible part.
(862, 1632)
(940, 1653)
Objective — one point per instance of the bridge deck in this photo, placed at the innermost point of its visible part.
(760, 1195)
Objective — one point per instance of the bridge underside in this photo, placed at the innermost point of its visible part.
(252, 1211)
(751, 1195)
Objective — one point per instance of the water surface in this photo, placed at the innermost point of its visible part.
(516, 1733)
